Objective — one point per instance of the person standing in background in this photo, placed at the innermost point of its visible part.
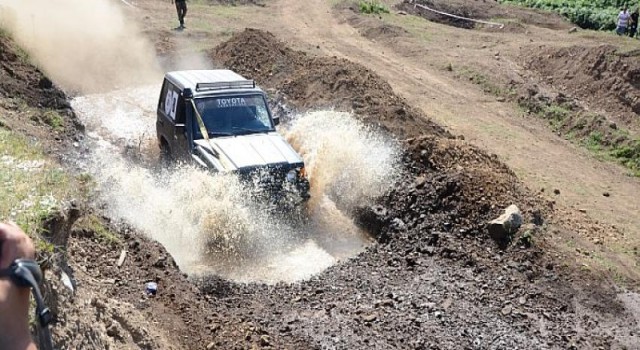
(633, 27)
(623, 21)
(181, 7)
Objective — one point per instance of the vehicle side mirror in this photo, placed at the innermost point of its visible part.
(276, 121)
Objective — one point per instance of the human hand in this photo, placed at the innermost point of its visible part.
(14, 301)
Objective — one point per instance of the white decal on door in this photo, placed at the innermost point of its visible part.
(171, 104)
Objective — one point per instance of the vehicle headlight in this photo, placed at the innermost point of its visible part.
(292, 175)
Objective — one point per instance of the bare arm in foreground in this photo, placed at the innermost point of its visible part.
(14, 301)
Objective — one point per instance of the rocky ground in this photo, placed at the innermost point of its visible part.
(435, 279)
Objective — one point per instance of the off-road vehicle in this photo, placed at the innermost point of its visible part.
(221, 121)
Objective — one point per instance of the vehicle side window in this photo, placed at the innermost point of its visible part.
(163, 95)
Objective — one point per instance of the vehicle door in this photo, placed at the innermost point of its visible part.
(170, 122)
(164, 121)
(180, 141)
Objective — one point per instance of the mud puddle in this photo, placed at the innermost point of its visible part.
(209, 223)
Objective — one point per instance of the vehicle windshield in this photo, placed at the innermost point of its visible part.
(233, 115)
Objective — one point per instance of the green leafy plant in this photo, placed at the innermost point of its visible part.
(372, 7)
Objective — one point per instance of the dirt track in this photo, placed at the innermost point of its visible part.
(435, 280)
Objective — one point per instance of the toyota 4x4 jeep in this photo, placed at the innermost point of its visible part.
(221, 121)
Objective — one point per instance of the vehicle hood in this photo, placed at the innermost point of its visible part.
(246, 152)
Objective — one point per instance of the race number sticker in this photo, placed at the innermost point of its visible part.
(171, 104)
(231, 102)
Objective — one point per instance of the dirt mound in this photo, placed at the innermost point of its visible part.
(385, 31)
(322, 82)
(34, 105)
(483, 10)
(607, 80)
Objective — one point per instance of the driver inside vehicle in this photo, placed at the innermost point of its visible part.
(234, 116)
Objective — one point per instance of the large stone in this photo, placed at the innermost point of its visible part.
(504, 227)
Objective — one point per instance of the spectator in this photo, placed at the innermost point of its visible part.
(623, 21)
(633, 27)
(181, 7)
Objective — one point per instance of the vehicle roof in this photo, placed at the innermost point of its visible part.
(188, 79)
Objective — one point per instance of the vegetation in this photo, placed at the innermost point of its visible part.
(96, 226)
(483, 81)
(372, 7)
(588, 14)
(30, 187)
(590, 130)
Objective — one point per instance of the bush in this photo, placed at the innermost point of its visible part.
(372, 7)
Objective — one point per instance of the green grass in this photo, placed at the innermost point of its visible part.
(31, 187)
(588, 130)
(608, 144)
(483, 81)
(53, 119)
(94, 224)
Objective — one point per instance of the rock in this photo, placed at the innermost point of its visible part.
(67, 282)
(573, 30)
(398, 224)
(211, 346)
(502, 228)
(437, 314)
(420, 181)
(374, 219)
(606, 194)
(556, 191)
(370, 318)
(501, 99)
(385, 302)
(507, 310)
(582, 210)
(522, 300)
(113, 331)
(265, 340)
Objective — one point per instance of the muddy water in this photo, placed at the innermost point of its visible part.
(209, 223)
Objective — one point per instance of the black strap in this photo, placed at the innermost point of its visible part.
(6, 272)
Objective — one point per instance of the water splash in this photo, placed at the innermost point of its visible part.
(211, 223)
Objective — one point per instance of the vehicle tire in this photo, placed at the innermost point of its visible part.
(165, 154)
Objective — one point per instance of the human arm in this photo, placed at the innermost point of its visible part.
(14, 301)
